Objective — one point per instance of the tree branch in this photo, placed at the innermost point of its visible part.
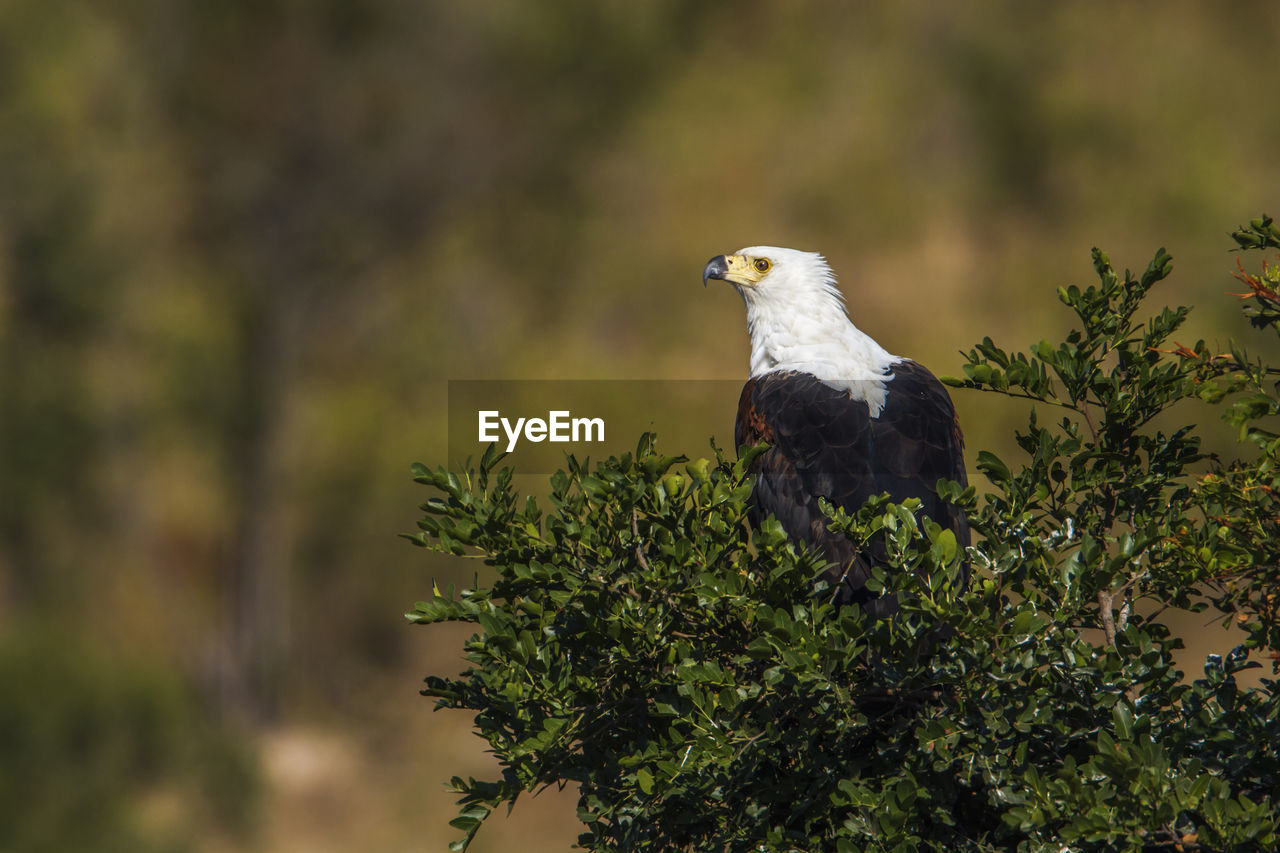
(635, 531)
(1105, 598)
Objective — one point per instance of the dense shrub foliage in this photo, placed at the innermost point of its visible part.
(686, 673)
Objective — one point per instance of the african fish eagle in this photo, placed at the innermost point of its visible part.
(845, 419)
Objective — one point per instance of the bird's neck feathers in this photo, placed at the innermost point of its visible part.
(799, 323)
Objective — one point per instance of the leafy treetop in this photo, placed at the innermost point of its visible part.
(704, 693)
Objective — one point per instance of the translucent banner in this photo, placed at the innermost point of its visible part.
(538, 422)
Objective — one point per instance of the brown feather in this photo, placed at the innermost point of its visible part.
(825, 444)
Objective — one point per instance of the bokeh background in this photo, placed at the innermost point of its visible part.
(244, 245)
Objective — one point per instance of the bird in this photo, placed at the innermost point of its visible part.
(844, 418)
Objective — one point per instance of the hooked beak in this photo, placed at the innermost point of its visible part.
(715, 268)
(735, 269)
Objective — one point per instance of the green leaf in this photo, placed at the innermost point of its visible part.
(1123, 718)
(993, 467)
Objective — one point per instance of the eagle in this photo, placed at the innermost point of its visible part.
(844, 419)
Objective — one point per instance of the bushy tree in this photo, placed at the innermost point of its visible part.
(703, 692)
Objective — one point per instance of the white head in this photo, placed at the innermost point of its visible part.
(797, 321)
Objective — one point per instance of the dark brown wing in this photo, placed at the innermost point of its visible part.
(828, 445)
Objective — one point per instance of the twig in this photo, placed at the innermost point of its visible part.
(1105, 597)
(1125, 608)
(635, 531)
(1007, 393)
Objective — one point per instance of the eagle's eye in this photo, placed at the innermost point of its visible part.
(762, 264)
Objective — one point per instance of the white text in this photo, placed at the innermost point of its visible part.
(558, 426)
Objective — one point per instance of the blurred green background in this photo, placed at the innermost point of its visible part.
(244, 245)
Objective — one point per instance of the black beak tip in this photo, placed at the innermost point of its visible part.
(715, 268)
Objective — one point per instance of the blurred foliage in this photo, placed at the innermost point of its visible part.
(96, 751)
(702, 690)
(244, 245)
